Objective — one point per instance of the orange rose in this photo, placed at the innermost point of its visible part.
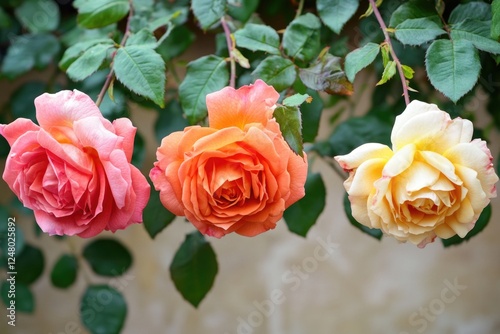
(238, 174)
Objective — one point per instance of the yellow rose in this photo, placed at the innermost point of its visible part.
(433, 183)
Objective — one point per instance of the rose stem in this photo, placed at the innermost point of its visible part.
(230, 48)
(111, 74)
(391, 49)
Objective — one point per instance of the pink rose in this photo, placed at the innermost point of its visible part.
(239, 174)
(74, 169)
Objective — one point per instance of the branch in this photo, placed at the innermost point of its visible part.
(230, 47)
(391, 50)
(111, 74)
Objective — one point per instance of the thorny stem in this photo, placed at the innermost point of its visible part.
(230, 48)
(391, 50)
(111, 74)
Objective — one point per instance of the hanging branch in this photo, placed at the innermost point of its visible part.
(391, 50)
(111, 74)
(230, 47)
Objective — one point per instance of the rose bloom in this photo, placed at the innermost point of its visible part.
(434, 182)
(74, 169)
(238, 174)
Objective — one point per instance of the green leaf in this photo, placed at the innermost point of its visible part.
(141, 70)
(335, 13)
(476, 32)
(103, 310)
(143, 37)
(417, 31)
(208, 12)
(326, 74)
(23, 297)
(474, 10)
(155, 216)
(107, 257)
(38, 15)
(204, 75)
(29, 264)
(360, 58)
(302, 215)
(139, 153)
(193, 268)
(389, 71)
(258, 37)
(88, 63)
(355, 132)
(407, 71)
(414, 9)
(291, 127)
(176, 43)
(98, 13)
(242, 10)
(296, 100)
(76, 50)
(481, 223)
(170, 119)
(453, 67)
(276, 71)
(495, 20)
(29, 51)
(301, 39)
(311, 116)
(64, 271)
(373, 232)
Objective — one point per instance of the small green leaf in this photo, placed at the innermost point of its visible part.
(326, 74)
(141, 70)
(208, 12)
(373, 232)
(389, 71)
(407, 71)
(98, 13)
(336, 13)
(474, 10)
(495, 20)
(311, 116)
(418, 31)
(103, 310)
(258, 37)
(38, 15)
(155, 216)
(414, 9)
(291, 127)
(204, 75)
(64, 271)
(304, 213)
(20, 294)
(360, 58)
(29, 264)
(242, 10)
(301, 39)
(143, 37)
(453, 67)
(193, 268)
(88, 63)
(276, 71)
(296, 100)
(28, 52)
(107, 257)
(478, 33)
(481, 223)
(76, 50)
